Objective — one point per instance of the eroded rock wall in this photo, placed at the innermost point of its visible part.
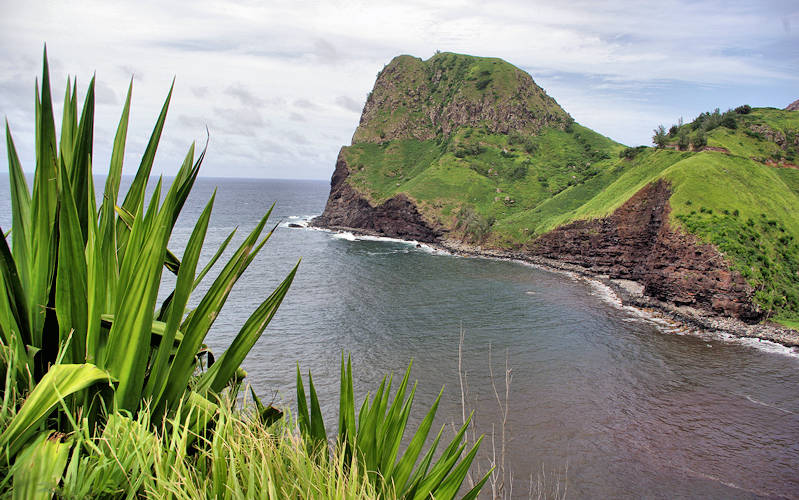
(397, 217)
(637, 243)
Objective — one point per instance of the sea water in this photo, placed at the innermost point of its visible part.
(604, 400)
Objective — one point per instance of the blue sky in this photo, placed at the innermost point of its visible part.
(280, 85)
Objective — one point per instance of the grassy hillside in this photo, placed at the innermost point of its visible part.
(505, 189)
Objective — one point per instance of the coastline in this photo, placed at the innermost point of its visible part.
(626, 292)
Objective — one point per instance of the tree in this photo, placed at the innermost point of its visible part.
(683, 140)
(699, 140)
(659, 139)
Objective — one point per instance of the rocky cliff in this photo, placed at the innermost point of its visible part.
(347, 209)
(794, 106)
(637, 243)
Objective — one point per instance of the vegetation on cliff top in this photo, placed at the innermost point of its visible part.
(504, 187)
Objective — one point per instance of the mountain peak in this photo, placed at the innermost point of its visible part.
(794, 106)
(417, 99)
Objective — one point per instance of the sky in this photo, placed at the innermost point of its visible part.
(280, 85)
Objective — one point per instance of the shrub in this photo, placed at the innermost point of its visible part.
(699, 141)
(104, 341)
(729, 122)
(659, 137)
(683, 140)
(743, 110)
(631, 153)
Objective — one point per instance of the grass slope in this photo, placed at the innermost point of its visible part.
(503, 190)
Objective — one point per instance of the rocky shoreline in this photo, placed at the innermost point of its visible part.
(628, 292)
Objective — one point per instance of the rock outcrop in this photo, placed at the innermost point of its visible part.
(397, 217)
(637, 243)
(794, 106)
(415, 99)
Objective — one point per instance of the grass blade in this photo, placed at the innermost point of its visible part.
(59, 382)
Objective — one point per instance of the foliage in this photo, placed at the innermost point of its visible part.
(763, 252)
(698, 140)
(104, 393)
(474, 225)
(79, 312)
(683, 140)
(743, 110)
(143, 457)
(373, 440)
(659, 137)
(631, 153)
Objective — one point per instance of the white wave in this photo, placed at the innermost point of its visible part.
(344, 235)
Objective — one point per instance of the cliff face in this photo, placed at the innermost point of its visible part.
(397, 217)
(794, 106)
(637, 243)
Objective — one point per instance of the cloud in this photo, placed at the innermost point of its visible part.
(252, 70)
(243, 95)
(349, 104)
(306, 104)
(199, 91)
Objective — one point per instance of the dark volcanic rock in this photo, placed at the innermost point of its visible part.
(637, 243)
(397, 217)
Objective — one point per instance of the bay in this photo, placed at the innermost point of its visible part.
(603, 401)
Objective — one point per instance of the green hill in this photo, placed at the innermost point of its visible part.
(486, 157)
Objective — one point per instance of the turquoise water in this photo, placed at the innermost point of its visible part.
(614, 404)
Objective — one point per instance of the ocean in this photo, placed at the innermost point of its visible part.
(603, 400)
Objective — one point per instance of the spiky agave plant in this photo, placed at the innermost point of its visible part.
(374, 440)
(79, 310)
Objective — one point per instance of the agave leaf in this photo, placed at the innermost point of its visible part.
(183, 287)
(14, 295)
(217, 377)
(197, 324)
(454, 479)
(43, 205)
(20, 211)
(70, 287)
(158, 329)
(135, 195)
(303, 417)
(69, 125)
(400, 473)
(80, 174)
(165, 307)
(59, 382)
(107, 224)
(39, 468)
(472, 494)
(129, 339)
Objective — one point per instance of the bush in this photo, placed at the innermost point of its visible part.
(729, 122)
(631, 153)
(683, 140)
(659, 138)
(699, 141)
(743, 110)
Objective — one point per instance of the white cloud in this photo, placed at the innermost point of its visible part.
(266, 76)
